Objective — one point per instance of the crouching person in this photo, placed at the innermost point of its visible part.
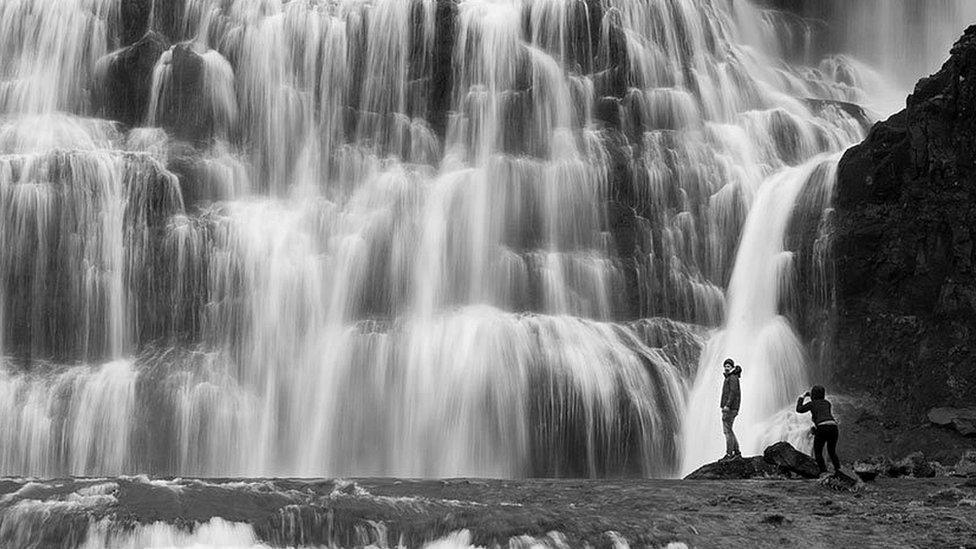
(825, 426)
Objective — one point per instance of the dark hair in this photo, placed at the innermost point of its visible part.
(818, 392)
(728, 361)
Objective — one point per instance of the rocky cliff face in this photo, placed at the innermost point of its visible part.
(906, 222)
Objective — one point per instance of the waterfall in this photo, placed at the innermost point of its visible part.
(407, 237)
(756, 333)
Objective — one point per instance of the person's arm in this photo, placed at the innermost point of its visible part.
(800, 406)
(724, 403)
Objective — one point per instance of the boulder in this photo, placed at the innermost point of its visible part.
(966, 467)
(842, 482)
(925, 469)
(867, 471)
(898, 469)
(788, 459)
(907, 466)
(914, 465)
(940, 469)
(737, 469)
(945, 416)
(965, 427)
(963, 420)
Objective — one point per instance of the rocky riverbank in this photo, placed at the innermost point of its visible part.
(460, 513)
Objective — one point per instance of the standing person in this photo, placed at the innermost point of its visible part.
(825, 430)
(730, 407)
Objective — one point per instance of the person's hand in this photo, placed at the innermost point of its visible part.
(725, 408)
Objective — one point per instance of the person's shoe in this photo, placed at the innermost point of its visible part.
(727, 457)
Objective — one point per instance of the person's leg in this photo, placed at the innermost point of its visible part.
(727, 431)
(832, 448)
(731, 444)
(818, 444)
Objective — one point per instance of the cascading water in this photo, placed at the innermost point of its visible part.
(403, 237)
(755, 332)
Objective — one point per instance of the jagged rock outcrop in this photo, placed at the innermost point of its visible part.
(195, 100)
(906, 226)
(126, 79)
(856, 112)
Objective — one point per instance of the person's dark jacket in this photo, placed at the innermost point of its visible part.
(730, 389)
(819, 409)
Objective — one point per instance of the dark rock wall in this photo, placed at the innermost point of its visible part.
(906, 222)
(124, 89)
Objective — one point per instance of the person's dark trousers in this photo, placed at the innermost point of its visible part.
(731, 444)
(826, 434)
